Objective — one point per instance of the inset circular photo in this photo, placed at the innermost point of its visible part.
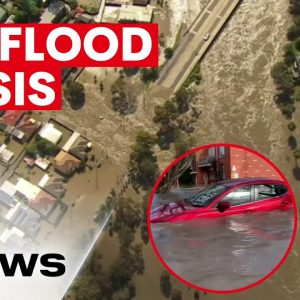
(222, 218)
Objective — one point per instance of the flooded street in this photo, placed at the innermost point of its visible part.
(224, 253)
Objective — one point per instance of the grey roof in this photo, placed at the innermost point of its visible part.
(7, 200)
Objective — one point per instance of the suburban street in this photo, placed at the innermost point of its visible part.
(195, 43)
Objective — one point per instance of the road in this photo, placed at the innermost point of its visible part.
(193, 46)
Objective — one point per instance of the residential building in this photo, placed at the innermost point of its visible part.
(10, 119)
(26, 128)
(50, 133)
(218, 163)
(66, 163)
(7, 192)
(5, 154)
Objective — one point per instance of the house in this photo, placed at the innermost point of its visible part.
(53, 185)
(66, 163)
(133, 13)
(24, 218)
(77, 145)
(218, 163)
(26, 188)
(7, 192)
(5, 154)
(55, 11)
(26, 128)
(117, 2)
(10, 119)
(43, 203)
(50, 133)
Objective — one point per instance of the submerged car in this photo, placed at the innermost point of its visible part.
(227, 197)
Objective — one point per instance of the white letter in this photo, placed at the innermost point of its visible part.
(113, 44)
(19, 88)
(4, 92)
(63, 56)
(128, 33)
(31, 55)
(48, 91)
(6, 43)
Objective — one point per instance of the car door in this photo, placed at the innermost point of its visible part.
(240, 199)
(271, 196)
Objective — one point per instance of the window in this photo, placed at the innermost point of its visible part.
(266, 191)
(239, 196)
(205, 197)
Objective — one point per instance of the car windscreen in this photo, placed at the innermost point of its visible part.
(206, 196)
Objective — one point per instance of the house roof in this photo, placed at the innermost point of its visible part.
(6, 199)
(78, 148)
(53, 185)
(26, 188)
(11, 117)
(43, 203)
(50, 133)
(66, 163)
(24, 218)
(136, 13)
(5, 154)
(28, 126)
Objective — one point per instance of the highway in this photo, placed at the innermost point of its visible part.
(194, 44)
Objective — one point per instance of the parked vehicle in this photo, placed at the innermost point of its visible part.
(227, 197)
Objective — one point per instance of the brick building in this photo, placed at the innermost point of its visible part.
(217, 163)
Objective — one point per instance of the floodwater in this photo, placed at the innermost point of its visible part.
(224, 253)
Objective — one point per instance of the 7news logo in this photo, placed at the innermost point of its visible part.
(51, 265)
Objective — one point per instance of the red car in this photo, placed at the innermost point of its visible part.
(227, 197)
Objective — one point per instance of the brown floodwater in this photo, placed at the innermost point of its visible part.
(223, 253)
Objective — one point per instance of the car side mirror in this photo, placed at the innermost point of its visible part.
(223, 205)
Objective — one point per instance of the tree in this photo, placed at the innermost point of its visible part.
(297, 153)
(297, 94)
(292, 126)
(27, 11)
(289, 53)
(149, 74)
(282, 77)
(196, 295)
(293, 32)
(123, 100)
(168, 53)
(176, 295)
(165, 284)
(87, 288)
(182, 98)
(297, 44)
(183, 143)
(143, 169)
(75, 94)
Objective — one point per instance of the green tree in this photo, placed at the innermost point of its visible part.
(75, 94)
(165, 284)
(292, 126)
(176, 295)
(149, 74)
(87, 288)
(27, 11)
(168, 52)
(297, 94)
(293, 32)
(289, 53)
(297, 153)
(183, 143)
(282, 77)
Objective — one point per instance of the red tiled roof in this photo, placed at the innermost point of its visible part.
(11, 117)
(43, 203)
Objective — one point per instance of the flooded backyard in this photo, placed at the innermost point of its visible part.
(224, 253)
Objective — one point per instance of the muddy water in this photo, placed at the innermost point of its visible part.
(224, 253)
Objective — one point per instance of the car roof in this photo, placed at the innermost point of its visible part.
(250, 180)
